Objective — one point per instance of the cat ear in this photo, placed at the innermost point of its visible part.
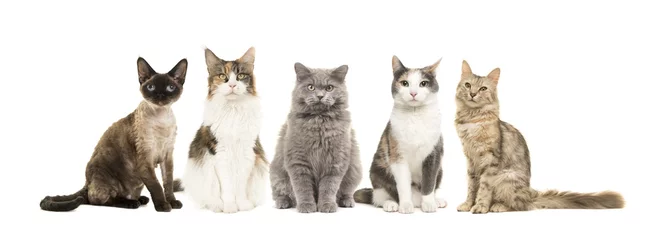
(301, 71)
(211, 58)
(179, 71)
(144, 69)
(465, 70)
(340, 72)
(494, 75)
(433, 67)
(396, 64)
(249, 56)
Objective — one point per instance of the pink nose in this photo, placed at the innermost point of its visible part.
(413, 94)
(232, 85)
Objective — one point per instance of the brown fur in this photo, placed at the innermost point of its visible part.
(499, 159)
(217, 67)
(128, 152)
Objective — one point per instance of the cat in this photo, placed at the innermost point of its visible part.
(128, 152)
(499, 159)
(226, 169)
(316, 165)
(406, 170)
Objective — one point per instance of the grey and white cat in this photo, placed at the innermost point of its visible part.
(406, 169)
(316, 165)
(498, 157)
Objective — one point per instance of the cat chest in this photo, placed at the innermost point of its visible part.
(416, 135)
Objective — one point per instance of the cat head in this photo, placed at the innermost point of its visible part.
(231, 79)
(414, 87)
(320, 88)
(477, 91)
(161, 89)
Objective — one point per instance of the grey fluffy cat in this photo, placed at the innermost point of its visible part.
(316, 165)
(499, 160)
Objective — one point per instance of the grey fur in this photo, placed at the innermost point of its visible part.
(316, 165)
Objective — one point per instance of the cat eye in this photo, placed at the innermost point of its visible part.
(171, 88)
(242, 76)
(405, 83)
(330, 88)
(223, 77)
(311, 87)
(482, 89)
(423, 84)
(467, 85)
(150, 87)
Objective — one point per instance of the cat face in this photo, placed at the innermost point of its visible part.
(477, 91)
(317, 88)
(414, 87)
(161, 89)
(231, 79)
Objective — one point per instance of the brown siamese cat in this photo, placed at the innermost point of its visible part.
(127, 154)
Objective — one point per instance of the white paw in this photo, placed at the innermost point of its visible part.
(390, 206)
(407, 207)
(441, 202)
(429, 206)
(215, 207)
(245, 205)
(230, 207)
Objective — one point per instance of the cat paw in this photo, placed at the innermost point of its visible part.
(132, 204)
(230, 207)
(144, 200)
(327, 207)
(346, 202)
(464, 207)
(163, 207)
(245, 205)
(406, 208)
(498, 207)
(441, 202)
(429, 206)
(390, 206)
(283, 203)
(479, 209)
(306, 207)
(175, 204)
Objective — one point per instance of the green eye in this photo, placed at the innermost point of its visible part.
(467, 85)
(482, 89)
(311, 87)
(423, 84)
(405, 83)
(242, 76)
(223, 77)
(330, 88)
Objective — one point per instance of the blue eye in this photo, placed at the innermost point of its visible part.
(150, 87)
(171, 88)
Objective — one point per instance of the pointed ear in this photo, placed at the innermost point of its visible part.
(433, 67)
(301, 70)
(145, 70)
(396, 64)
(494, 75)
(465, 70)
(179, 71)
(211, 58)
(340, 72)
(249, 56)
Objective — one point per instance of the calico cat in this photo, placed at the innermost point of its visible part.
(128, 152)
(227, 170)
(499, 159)
(316, 165)
(406, 171)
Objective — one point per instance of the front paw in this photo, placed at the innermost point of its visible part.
(464, 207)
(163, 207)
(346, 202)
(327, 207)
(306, 207)
(230, 207)
(283, 203)
(175, 204)
(429, 206)
(406, 208)
(441, 202)
(144, 200)
(245, 205)
(479, 209)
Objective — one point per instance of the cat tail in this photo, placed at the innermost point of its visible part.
(178, 185)
(364, 195)
(553, 199)
(64, 203)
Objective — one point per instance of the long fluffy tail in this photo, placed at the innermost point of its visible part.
(553, 199)
(364, 195)
(178, 185)
(64, 203)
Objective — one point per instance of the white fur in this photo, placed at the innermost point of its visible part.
(423, 94)
(229, 181)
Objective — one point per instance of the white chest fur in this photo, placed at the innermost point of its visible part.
(234, 123)
(416, 131)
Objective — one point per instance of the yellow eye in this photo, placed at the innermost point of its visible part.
(311, 87)
(223, 77)
(242, 76)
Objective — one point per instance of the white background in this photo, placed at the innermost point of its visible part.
(583, 80)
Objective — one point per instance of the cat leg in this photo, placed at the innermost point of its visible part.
(331, 178)
(416, 197)
(167, 168)
(244, 169)
(136, 194)
(382, 198)
(498, 207)
(473, 186)
(430, 169)
(403, 178)
(511, 189)
(227, 175)
(281, 187)
(486, 186)
(441, 202)
(147, 174)
(102, 193)
(351, 180)
(301, 176)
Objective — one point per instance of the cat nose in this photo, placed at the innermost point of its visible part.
(320, 97)
(232, 85)
(413, 94)
(473, 94)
